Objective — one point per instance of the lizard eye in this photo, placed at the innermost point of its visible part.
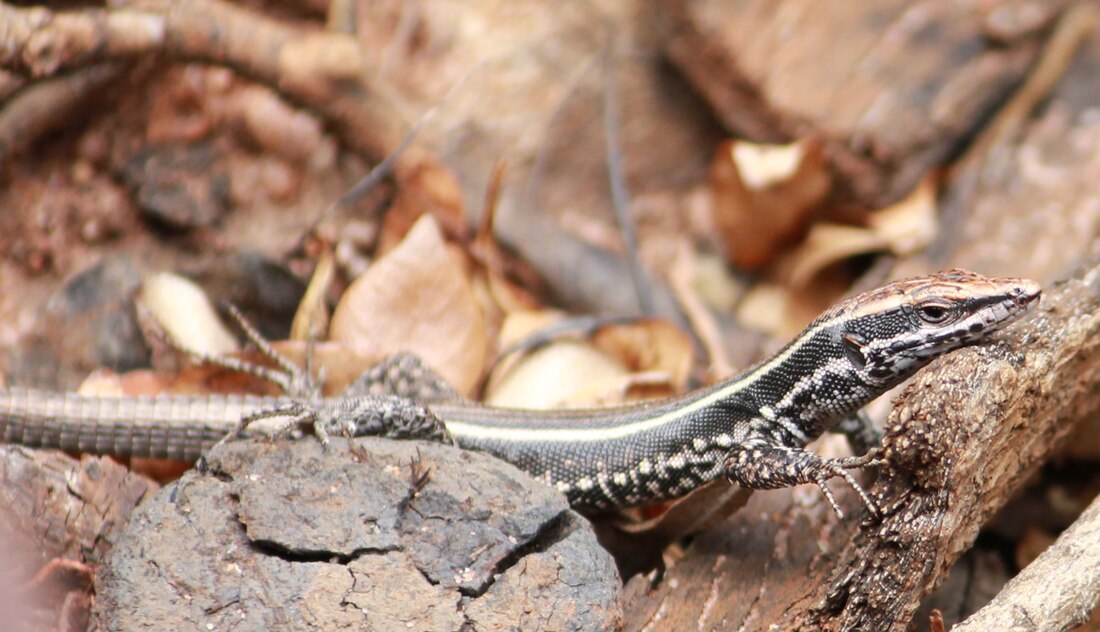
(933, 313)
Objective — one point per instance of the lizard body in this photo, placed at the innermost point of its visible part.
(751, 428)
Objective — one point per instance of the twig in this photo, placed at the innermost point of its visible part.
(46, 105)
(620, 195)
(326, 72)
(387, 165)
(527, 199)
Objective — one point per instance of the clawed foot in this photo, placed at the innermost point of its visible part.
(295, 414)
(830, 468)
(767, 466)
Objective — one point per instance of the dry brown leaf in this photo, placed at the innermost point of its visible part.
(311, 318)
(426, 187)
(341, 364)
(782, 310)
(564, 374)
(765, 308)
(903, 229)
(509, 297)
(697, 281)
(710, 279)
(141, 382)
(517, 327)
(763, 196)
(490, 308)
(909, 225)
(826, 245)
(107, 383)
(649, 346)
(643, 386)
(643, 360)
(417, 298)
(521, 324)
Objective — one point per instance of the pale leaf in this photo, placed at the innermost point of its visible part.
(417, 298)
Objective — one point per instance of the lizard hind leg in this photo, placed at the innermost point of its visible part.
(379, 416)
(292, 414)
(291, 379)
(402, 375)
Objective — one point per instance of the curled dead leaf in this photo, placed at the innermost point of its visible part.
(426, 187)
(620, 362)
(784, 310)
(902, 228)
(184, 312)
(311, 318)
(340, 364)
(522, 324)
(649, 346)
(909, 225)
(564, 374)
(827, 244)
(763, 196)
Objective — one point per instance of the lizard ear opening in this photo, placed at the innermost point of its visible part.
(853, 349)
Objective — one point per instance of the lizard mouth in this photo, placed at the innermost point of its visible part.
(1025, 294)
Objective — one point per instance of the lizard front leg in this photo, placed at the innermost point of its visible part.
(762, 465)
(367, 415)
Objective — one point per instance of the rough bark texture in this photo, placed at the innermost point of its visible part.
(776, 70)
(1024, 200)
(1056, 591)
(294, 536)
(68, 508)
(963, 437)
(57, 515)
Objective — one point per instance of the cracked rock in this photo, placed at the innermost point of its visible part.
(292, 536)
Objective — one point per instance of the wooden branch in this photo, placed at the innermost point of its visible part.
(48, 105)
(1057, 591)
(323, 71)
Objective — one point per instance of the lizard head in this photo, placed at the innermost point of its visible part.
(891, 332)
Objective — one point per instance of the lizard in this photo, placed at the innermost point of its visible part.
(751, 428)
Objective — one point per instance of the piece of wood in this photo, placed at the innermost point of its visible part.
(891, 88)
(57, 511)
(69, 508)
(1023, 199)
(323, 70)
(1057, 591)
